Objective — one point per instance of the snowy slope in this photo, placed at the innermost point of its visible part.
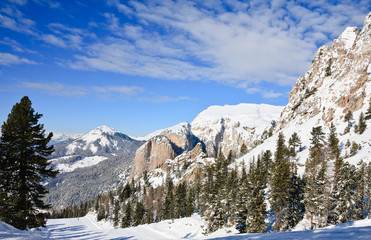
(185, 228)
(97, 161)
(102, 140)
(230, 126)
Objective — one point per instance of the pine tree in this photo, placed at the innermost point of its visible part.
(168, 205)
(368, 190)
(256, 205)
(189, 202)
(139, 212)
(295, 210)
(361, 127)
(294, 142)
(348, 118)
(126, 219)
(243, 201)
(24, 151)
(280, 184)
(243, 150)
(368, 112)
(180, 203)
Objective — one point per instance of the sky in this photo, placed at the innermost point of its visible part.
(140, 66)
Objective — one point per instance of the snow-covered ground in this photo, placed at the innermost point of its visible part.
(186, 228)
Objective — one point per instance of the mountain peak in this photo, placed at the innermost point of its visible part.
(103, 129)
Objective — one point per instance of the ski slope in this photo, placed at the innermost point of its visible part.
(187, 228)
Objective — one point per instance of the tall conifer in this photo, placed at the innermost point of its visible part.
(23, 164)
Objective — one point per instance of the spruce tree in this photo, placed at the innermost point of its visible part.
(168, 205)
(24, 163)
(139, 212)
(126, 219)
(348, 118)
(368, 190)
(280, 183)
(294, 142)
(361, 127)
(295, 211)
(368, 112)
(256, 206)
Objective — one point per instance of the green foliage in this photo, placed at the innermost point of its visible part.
(361, 126)
(243, 149)
(368, 112)
(23, 164)
(294, 142)
(328, 68)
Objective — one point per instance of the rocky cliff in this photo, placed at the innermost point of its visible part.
(338, 80)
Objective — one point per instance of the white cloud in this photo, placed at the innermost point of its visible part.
(53, 40)
(162, 99)
(56, 89)
(59, 89)
(8, 59)
(13, 19)
(16, 46)
(254, 42)
(124, 90)
(271, 94)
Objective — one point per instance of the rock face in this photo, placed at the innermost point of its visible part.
(170, 143)
(337, 82)
(228, 127)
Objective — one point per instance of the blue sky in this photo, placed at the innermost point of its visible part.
(139, 66)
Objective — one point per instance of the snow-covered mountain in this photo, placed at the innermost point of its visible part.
(228, 127)
(61, 137)
(89, 164)
(102, 140)
(338, 81)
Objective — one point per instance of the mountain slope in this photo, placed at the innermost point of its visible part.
(338, 81)
(90, 164)
(100, 141)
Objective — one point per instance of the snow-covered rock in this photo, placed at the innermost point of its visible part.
(228, 127)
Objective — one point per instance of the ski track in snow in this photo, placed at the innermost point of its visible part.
(186, 228)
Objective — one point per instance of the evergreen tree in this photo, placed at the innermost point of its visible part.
(243, 201)
(294, 142)
(361, 127)
(368, 190)
(368, 112)
(24, 151)
(360, 206)
(168, 205)
(256, 206)
(295, 211)
(139, 212)
(190, 202)
(280, 184)
(243, 149)
(180, 203)
(348, 118)
(126, 220)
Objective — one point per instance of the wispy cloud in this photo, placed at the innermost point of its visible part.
(254, 42)
(13, 19)
(268, 94)
(8, 59)
(16, 46)
(59, 89)
(163, 99)
(124, 90)
(56, 89)
(53, 40)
